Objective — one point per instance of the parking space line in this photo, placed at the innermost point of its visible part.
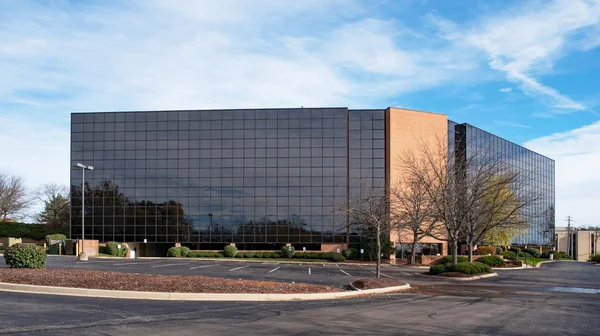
(345, 272)
(323, 264)
(273, 270)
(336, 265)
(309, 271)
(237, 268)
(203, 266)
(167, 265)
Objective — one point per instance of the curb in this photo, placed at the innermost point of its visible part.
(478, 277)
(544, 262)
(117, 294)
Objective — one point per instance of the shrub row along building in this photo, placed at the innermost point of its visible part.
(259, 178)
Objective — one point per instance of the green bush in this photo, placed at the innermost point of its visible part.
(240, 254)
(218, 255)
(25, 256)
(525, 255)
(499, 250)
(437, 269)
(173, 251)
(275, 255)
(470, 268)
(509, 255)
(113, 249)
(485, 250)
(286, 252)
(24, 230)
(350, 253)
(517, 250)
(229, 251)
(337, 257)
(562, 255)
(493, 261)
(595, 258)
(481, 267)
(448, 259)
(184, 251)
(56, 236)
(249, 255)
(258, 255)
(534, 252)
(193, 254)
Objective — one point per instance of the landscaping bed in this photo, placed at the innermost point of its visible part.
(372, 283)
(152, 282)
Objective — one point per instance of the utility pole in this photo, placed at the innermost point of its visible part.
(569, 239)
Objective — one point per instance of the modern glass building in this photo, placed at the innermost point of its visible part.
(258, 178)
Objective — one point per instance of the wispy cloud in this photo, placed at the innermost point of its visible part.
(524, 42)
(506, 90)
(511, 124)
(577, 155)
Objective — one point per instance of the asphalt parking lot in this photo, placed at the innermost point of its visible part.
(329, 274)
(556, 299)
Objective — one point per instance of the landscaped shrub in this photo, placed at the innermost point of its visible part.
(113, 249)
(229, 251)
(485, 250)
(174, 251)
(595, 258)
(240, 254)
(493, 261)
(258, 255)
(287, 251)
(562, 255)
(534, 252)
(217, 255)
(499, 250)
(437, 269)
(249, 255)
(25, 256)
(517, 250)
(510, 255)
(193, 254)
(57, 236)
(350, 253)
(525, 255)
(184, 251)
(448, 259)
(337, 257)
(275, 255)
(471, 268)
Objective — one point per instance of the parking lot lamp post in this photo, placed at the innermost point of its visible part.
(82, 255)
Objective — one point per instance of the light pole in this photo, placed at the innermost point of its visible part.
(82, 255)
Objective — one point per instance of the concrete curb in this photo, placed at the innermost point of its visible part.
(116, 294)
(543, 262)
(478, 277)
(508, 268)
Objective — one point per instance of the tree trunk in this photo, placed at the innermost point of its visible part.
(454, 251)
(413, 254)
(470, 251)
(378, 267)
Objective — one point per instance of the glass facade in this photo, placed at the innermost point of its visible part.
(537, 170)
(253, 177)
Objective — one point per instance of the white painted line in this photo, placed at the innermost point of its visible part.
(336, 265)
(237, 268)
(385, 275)
(300, 264)
(345, 272)
(323, 264)
(405, 273)
(309, 271)
(165, 265)
(203, 266)
(273, 270)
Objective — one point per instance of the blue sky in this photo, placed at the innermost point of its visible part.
(525, 70)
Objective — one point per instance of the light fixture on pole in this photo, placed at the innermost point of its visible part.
(82, 254)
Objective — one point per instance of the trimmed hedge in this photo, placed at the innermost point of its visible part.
(350, 253)
(517, 250)
(229, 251)
(286, 252)
(470, 268)
(499, 250)
(485, 250)
(113, 249)
(56, 236)
(510, 255)
(174, 252)
(534, 252)
(448, 259)
(184, 251)
(492, 261)
(33, 231)
(25, 256)
(525, 255)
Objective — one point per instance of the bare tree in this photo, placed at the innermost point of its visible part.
(411, 208)
(56, 210)
(369, 212)
(13, 195)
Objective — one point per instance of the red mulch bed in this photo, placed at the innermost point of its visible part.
(372, 283)
(456, 275)
(152, 282)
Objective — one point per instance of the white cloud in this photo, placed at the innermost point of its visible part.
(577, 155)
(524, 42)
(506, 90)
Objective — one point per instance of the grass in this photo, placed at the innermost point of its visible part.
(532, 261)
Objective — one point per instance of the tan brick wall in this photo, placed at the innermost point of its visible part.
(409, 130)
